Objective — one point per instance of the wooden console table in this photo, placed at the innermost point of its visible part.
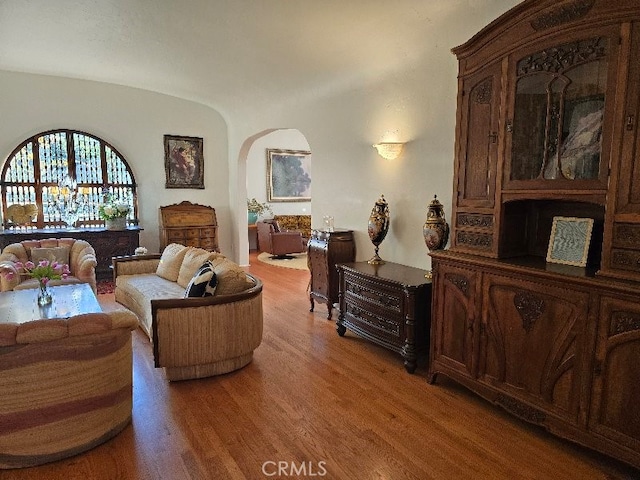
(389, 304)
(106, 243)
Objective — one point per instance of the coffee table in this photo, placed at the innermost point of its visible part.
(21, 306)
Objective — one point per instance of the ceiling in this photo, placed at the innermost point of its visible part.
(229, 54)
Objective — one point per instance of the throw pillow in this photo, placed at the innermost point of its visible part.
(58, 254)
(231, 277)
(191, 263)
(170, 261)
(203, 283)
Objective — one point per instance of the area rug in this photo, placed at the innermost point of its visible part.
(298, 261)
(105, 286)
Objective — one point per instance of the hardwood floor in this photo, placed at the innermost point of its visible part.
(318, 405)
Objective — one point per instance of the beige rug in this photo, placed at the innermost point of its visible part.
(299, 261)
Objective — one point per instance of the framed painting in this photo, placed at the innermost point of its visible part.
(183, 162)
(288, 175)
(569, 242)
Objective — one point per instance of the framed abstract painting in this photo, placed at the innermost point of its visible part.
(288, 175)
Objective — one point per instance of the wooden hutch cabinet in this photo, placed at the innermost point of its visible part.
(548, 106)
(325, 250)
(189, 224)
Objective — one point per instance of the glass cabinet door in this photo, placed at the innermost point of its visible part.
(558, 111)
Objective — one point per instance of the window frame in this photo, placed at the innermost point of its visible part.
(38, 185)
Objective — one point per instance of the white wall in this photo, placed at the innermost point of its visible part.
(133, 121)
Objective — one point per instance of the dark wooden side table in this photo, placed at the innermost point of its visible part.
(325, 250)
(389, 304)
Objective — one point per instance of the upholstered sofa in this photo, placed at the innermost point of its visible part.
(65, 385)
(299, 223)
(78, 254)
(192, 337)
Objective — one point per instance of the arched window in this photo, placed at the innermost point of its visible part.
(59, 166)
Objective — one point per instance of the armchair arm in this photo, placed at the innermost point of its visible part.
(9, 274)
(135, 264)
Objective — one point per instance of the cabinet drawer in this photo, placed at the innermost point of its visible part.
(374, 324)
(372, 293)
(173, 235)
(208, 232)
(625, 259)
(191, 233)
(207, 243)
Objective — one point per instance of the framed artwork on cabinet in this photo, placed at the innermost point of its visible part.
(183, 162)
(288, 175)
(569, 242)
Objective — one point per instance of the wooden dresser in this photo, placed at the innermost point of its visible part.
(106, 243)
(189, 224)
(388, 304)
(325, 250)
(547, 126)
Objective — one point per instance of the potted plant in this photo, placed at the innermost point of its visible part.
(255, 208)
(114, 214)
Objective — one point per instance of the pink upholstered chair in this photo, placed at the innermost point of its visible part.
(78, 254)
(276, 242)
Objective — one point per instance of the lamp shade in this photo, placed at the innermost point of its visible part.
(389, 150)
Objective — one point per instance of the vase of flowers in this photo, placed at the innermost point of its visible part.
(44, 272)
(255, 208)
(114, 214)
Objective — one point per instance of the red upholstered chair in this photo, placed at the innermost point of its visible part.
(278, 243)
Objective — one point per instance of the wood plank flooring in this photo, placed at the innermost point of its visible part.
(318, 406)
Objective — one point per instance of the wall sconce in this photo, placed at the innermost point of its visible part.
(389, 150)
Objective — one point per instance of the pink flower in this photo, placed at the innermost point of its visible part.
(29, 265)
(19, 265)
(43, 263)
(44, 280)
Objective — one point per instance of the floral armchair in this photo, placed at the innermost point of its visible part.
(78, 254)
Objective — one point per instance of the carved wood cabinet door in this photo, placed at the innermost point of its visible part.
(453, 342)
(530, 344)
(616, 373)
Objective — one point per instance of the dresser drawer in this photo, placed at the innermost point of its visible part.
(375, 323)
(208, 232)
(175, 235)
(625, 259)
(373, 293)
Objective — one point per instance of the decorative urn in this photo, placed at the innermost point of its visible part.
(436, 229)
(378, 227)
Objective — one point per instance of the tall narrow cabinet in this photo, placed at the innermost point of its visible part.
(325, 250)
(547, 126)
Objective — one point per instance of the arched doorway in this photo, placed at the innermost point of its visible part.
(253, 162)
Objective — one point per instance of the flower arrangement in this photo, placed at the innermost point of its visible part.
(253, 206)
(112, 209)
(44, 271)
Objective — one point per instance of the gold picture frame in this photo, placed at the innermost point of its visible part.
(570, 240)
(183, 162)
(288, 175)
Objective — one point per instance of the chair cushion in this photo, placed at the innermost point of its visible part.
(59, 254)
(170, 261)
(203, 283)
